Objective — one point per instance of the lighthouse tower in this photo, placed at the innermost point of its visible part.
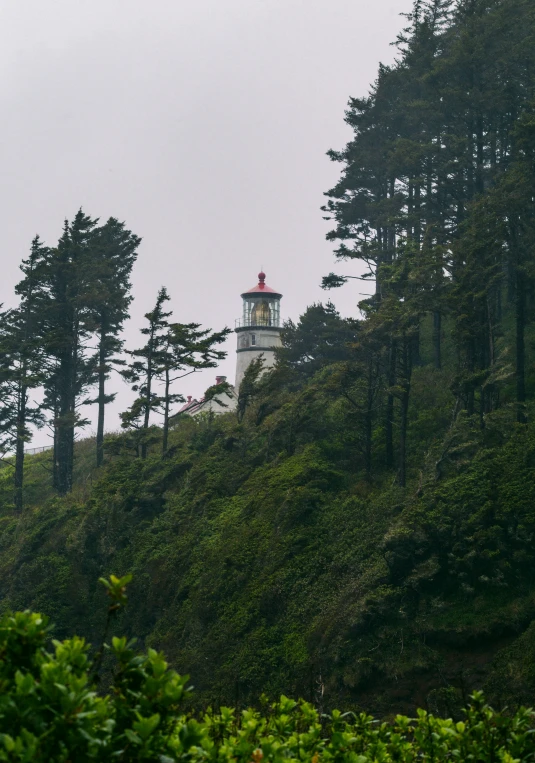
(258, 330)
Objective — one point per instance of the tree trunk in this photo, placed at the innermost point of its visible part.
(417, 215)
(55, 451)
(101, 397)
(479, 155)
(410, 210)
(147, 402)
(403, 439)
(72, 409)
(470, 402)
(389, 424)
(415, 344)
(166, 413)
(437, 339)
(391, 241)
(471, 158)
(520, 347)
(406, 386)
(368, 423)
(380, 261)
(19, 452)
(63, 424)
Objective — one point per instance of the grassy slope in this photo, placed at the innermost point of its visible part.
(263, 561)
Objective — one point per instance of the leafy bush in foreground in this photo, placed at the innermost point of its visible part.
(50, 711)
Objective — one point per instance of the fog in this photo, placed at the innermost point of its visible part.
(203, 124)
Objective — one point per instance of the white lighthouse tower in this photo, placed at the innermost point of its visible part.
(259, 329)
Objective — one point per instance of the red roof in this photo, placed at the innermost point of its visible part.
(262, 287)
(190, 403)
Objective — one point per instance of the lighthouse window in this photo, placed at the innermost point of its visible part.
(260, 314)
(253, 339)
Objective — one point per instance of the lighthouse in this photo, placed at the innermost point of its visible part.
(258, 330)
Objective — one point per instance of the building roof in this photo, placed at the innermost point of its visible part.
(262, 287)
(193, 406)
(190, 403)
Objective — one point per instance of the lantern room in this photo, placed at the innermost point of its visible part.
(261, 305)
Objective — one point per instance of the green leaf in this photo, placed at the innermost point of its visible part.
(132, 737)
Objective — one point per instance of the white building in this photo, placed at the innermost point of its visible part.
(259, 329)
(222, 403)
(258, 333)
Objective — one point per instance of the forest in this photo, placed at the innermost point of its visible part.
(360, 533)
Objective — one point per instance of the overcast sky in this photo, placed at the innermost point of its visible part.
(203, 124)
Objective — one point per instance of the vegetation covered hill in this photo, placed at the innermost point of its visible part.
(264, 561)
(361, 533)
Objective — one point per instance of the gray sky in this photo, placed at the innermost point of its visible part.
(203, 124)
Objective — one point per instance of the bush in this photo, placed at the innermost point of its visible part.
(50, 710)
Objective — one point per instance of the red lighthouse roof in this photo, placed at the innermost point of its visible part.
(262, 287)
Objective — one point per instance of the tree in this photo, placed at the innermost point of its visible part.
(320, 337)
(107, 295)
(433, 200)
(249, 385)
(65, 283)
(63, 715)
(172, 351)
(186, 349)
(359, 382)
(22, 363)
(144, 370)
(8, 402)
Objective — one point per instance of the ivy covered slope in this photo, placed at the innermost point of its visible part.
(265, 561)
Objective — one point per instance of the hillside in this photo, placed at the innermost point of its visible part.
(360, 531)
(264, 561)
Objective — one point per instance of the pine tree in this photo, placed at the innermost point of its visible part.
(249, 385)
(186, 349)
(107, 297)
(22, 363)
(8, 402)
(320, 337)
(67, 330)
(172, 351)
(432, 199)
(142, 373)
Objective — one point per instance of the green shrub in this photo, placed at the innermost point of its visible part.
(51, 710)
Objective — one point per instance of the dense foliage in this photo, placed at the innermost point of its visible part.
(64, 339)
(436, 199)
(266, 561)
(361, 532)
(51, 710)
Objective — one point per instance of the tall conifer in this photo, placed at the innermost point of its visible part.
(107, 296)
(23, 363)
(67, 331)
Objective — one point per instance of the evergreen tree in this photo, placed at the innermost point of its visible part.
(249, 385)
(172, 351)
(433, 199)
(22, 363)
(143, 372)
(186, 348)
(8, 402)
(67, 330)
(107, 296)
(320, 337)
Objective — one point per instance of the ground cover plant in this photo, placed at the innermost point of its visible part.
(52, 709)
